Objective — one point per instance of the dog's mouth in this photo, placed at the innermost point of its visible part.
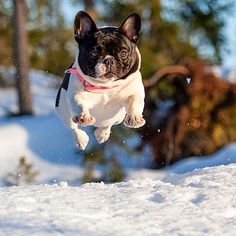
(109, 75)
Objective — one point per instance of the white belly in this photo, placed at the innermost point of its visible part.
(108, 113)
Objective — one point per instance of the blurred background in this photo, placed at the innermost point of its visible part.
(189, 47)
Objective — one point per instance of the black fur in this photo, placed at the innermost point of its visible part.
(58, 97)
(64, 85)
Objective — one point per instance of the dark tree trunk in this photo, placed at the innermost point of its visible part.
(21, 57)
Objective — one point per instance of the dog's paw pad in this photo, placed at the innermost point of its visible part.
(84, 119)
(134, 121)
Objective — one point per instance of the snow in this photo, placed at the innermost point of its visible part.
(195, 196)
(226, 155)
(201, 202)
(188, 80)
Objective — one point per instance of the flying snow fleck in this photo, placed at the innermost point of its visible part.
(188, 80)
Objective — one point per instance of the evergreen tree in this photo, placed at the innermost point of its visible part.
(203, 22)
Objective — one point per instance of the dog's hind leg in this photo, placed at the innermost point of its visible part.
(81, 139)
(102, 134)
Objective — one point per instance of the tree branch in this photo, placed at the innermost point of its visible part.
(164, 71)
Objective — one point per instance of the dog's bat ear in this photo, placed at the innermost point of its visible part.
(131, 27)
(83, 25)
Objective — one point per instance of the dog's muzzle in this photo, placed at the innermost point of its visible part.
(106, 68)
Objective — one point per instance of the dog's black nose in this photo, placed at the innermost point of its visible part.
(109, 61)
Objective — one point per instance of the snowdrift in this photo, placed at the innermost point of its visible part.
(201, 202)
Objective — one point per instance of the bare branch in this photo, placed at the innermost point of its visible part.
(177, 69)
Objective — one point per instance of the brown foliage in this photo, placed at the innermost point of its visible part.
(202, 119)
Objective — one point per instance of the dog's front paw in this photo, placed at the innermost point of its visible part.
(84, 119)
(134, 121)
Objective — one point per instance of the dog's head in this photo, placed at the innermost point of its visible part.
(108, 53)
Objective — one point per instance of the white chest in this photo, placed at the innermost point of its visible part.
(107, 109)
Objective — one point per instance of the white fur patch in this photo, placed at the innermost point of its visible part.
(100, 69)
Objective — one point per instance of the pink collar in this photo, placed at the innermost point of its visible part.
(87, 85)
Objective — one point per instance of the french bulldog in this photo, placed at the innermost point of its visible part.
(103, 86)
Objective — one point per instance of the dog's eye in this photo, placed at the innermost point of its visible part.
(123, 53)
(93, 53)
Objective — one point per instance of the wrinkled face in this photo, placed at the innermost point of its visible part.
(109, 53)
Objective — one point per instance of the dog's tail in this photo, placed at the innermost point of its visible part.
(176, 69)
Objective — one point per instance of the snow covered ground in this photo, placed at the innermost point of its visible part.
(175, 201)
(201, 202)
